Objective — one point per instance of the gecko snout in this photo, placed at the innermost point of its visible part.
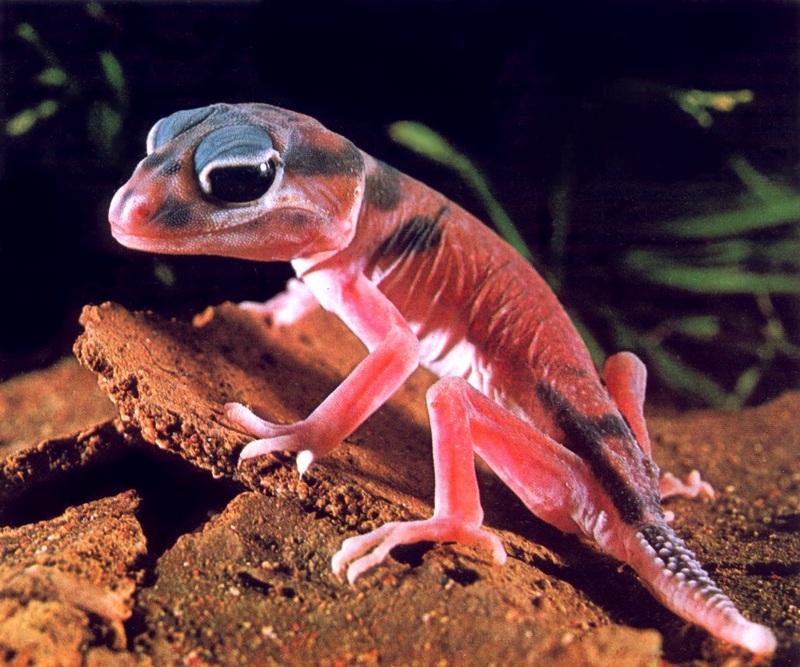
(128, 212)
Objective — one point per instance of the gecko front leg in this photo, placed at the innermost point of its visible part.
(393, 356)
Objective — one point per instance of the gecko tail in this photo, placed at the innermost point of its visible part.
(672, 573)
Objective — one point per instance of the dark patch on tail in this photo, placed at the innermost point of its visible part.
(417, 235)
(584, 436)
(383, 189)
(310, 160)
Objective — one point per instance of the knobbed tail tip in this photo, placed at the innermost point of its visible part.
(672, 573)
(757, 639)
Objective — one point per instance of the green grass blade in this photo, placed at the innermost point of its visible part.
(730, 223)
(759, 185)
(699, 327)
(679, 376)
(717, 280)
(52, 76)
(114, 75)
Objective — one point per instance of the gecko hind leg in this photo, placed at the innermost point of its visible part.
(626, 378)
(463, 419)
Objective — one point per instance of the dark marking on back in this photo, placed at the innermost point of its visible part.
(383, 189)
(310, 160)
(584, 436)
(417, 235)
(175, 214)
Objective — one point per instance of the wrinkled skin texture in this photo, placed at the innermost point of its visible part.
(419, 280)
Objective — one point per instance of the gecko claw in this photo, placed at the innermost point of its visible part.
(304, 459)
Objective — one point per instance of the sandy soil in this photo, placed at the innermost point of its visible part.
(118, 552)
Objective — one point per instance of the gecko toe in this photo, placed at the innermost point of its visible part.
(269, 446)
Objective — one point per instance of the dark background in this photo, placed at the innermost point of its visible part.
(545, 97)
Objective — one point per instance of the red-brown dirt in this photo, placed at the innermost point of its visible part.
(115, 552)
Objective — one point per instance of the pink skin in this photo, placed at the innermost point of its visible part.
(419, 280)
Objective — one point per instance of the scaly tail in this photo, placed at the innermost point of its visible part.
(674, 576)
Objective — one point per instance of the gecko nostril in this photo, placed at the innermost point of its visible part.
(136, 211)
(129, 211)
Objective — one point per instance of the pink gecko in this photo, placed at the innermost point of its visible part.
(420, 280)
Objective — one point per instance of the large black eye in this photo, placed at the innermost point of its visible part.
(239, 184)
(236, 164)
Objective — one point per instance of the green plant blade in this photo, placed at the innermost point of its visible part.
(423, 140)
(729, 223)
(52, 76)
(759, 185)
(679, 376)
(21, 122)
(700, 327)
(114, 75)
(716, 280)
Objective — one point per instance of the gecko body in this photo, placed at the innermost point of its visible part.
(420, 280)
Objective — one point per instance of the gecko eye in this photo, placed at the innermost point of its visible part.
(236, 164)
(241, 183)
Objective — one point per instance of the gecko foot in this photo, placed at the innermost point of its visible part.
(273, 437)
(305, 457)
(693, 487)
(364, 552)
(252, 423)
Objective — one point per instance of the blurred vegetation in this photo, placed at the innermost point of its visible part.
(705, 300)
(60, 91)
(740, 260)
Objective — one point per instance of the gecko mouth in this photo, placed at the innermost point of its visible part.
(173, 243)
(143, 241)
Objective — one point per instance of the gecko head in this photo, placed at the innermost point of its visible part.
(251, 181)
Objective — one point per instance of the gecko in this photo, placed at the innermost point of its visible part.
(419, 280)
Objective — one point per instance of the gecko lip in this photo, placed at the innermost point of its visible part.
(157, 239)
(140, 241)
